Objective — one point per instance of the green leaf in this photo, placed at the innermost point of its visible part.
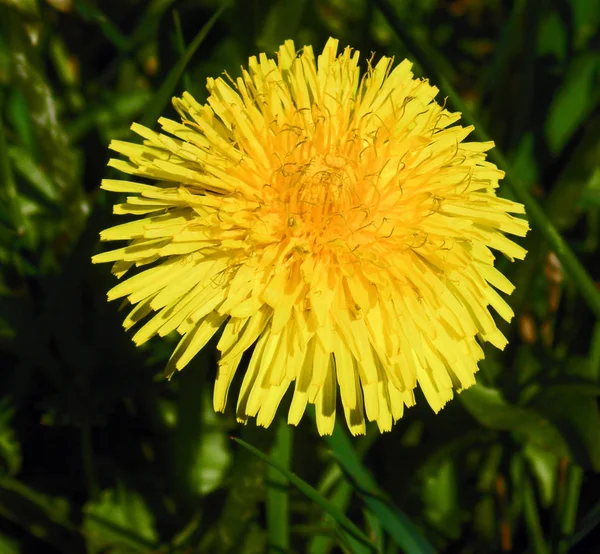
(576, 98)
(590, 198)
(158, 102)
(524, 160)
(544, 467)
(19, 118)
(585, 19)
(489, 407)
(120, 518)
(201, 444)
(489, 468)
(246, 489)
(58, 157)
(396, 523)
(254, 541)
(440, 499)
(561, 204)
(552, 36)
(594, 354)
(9, 546)
(576, 413)
(27, 8)
(485, 519)
(213, 453)
(313, 495)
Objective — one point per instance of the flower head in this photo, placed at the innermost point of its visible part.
(337, 224)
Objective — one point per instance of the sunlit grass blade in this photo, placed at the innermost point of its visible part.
(160, 99)
(394, 522)
(277, 490)
(571, 264)
(312, 494)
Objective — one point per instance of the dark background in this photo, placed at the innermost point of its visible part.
(100, 454)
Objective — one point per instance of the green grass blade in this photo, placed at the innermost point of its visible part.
(313, 495)
(148, 24)
(246, 490)
(180, 44)
(570, 506)
(532, 519)
(54, 509)
(375, 529)
(339, 490)
(163, 94)
(571, 264)
(89, 12)
(394, 522)
(277, 490)
(324, 543)
(594, 354)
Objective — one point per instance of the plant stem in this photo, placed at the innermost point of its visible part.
(568, 514)
(278, 490)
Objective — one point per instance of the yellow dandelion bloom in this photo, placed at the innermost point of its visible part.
(336, 223)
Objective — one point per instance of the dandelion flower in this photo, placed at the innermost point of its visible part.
(335, 226)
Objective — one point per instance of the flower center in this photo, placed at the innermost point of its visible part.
(320, 190)
(318, 200)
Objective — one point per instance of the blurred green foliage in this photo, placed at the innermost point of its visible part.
(99, 454)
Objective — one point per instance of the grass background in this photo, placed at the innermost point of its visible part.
(99, 454)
